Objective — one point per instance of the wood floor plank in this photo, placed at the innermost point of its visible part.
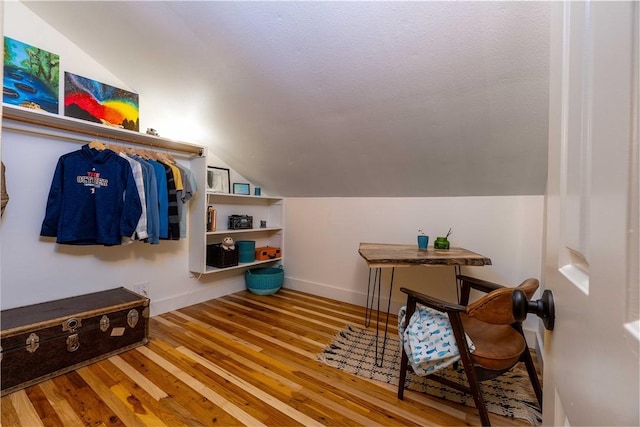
(144, 413)
(219, 331)
(284, 376)
(318, 320)
(186, 405)
(42, 406)
(282, 349)
(245, 325)
(199, 387)
(8, 414)
(23, 406)
(282, 381)
(308, 311)
(315, 309)
(85, 401)
(232, 321)
(147, 407)
(62, 407)
(142, 381)
(341, 308)
(307, 330)
(234, 394)
(241, 359)
(265, 397)
(311, 357)
(122, 410)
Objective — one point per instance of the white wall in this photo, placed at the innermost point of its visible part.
(23, 25)
(34, 269)
(322, 237)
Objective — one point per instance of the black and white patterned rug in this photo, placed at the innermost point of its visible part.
(353, 350)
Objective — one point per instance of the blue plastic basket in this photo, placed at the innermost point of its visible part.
(264, 281)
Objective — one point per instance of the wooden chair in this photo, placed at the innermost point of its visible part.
(489, 322)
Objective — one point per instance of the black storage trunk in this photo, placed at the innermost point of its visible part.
(221, 258)
(44, 340)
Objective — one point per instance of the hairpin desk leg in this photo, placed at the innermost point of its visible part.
(374, 286)
(371, 292)
(378, 284)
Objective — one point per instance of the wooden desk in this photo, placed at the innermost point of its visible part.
(389, 255)
(384, 255)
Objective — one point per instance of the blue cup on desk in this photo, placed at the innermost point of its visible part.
(423, 242)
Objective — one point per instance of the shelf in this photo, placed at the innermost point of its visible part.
(94, 130)
(246, 230)
(261, 208)
(211, 269)
(243, 196)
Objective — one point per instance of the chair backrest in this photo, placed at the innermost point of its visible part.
(496, 307)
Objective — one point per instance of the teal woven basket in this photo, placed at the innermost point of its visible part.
(264, 281)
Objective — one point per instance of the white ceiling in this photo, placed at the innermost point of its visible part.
(340, 98)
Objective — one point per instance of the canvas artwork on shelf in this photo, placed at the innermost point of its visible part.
(218, 179)
(93, 101)
(31, 76)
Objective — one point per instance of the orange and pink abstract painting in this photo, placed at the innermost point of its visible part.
(91, 100)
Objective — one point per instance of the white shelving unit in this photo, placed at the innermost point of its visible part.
(261, 208)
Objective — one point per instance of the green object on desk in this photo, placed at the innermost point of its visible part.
(441, 243)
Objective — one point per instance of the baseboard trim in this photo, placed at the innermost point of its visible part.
(186, 299)
(322, 290)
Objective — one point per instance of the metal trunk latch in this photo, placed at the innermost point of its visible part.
(132, 318)
(33, 342)
(71, 325)
(104, 323)
(73, 342)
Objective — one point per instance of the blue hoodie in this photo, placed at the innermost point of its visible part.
(93, 199)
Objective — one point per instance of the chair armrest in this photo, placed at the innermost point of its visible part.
(479, 284)
(432, 302)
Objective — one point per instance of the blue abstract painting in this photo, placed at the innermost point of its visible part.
(31, 76)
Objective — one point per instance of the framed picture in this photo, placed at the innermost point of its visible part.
(241, 188)
(218, 179)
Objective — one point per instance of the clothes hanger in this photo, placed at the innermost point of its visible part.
(147, 154)
(97, 145)
(162, 157)
(167, 157)
(112, 146)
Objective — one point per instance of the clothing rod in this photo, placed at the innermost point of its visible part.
(93, 130)
(175, 153)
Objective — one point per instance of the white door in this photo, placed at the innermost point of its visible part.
(591, 365)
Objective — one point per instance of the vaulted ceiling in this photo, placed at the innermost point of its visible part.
(339, 98)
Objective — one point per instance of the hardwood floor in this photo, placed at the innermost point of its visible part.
(238, 360)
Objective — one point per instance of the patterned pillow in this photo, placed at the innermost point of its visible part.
(428, 340)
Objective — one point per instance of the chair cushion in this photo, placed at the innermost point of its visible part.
(498, 347)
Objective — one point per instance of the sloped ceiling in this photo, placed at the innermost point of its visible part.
(340, 98)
